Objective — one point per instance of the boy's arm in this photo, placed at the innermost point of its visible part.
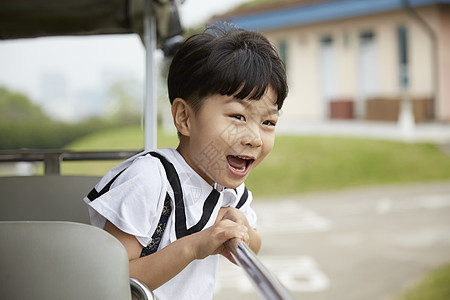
(158, 268)
(255, 240)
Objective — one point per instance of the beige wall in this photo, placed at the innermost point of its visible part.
(443, 105)
(304, 59)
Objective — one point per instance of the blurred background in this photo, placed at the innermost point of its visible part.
(368, 110)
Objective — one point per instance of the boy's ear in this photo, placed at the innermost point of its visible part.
(181, 113)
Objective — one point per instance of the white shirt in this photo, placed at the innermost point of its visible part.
(134, 204)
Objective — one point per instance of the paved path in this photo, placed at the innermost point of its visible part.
(358, 244)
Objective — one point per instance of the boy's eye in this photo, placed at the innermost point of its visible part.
(239, 117)
(269, 123)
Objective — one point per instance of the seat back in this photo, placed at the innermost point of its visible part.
(45, 198)
(61, 260)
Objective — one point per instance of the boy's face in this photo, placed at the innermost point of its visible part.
(229, 137)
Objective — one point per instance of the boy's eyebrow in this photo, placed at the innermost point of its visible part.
(273, 111)
(270, 110)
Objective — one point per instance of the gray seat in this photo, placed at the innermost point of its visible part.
(45, 198)
(61, 260)
(47, 253)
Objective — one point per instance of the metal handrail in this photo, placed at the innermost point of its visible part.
(52, 158)
(140, 291)
(40, 155)
(266, 284)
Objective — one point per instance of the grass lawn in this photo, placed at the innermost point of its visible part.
(299, 164)
(305, 164)
(435, 286)
(127, 138)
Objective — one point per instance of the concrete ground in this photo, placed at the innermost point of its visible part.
(357, 244)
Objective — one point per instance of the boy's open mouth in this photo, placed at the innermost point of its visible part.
(239, 164)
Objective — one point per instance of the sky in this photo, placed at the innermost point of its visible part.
(81, 64)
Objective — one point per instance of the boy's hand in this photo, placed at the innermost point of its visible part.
(233, 214)
(230, 223)
(236, 215)
(211, 241)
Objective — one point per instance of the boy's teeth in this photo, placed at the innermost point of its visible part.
(238, 163)
(241, 169)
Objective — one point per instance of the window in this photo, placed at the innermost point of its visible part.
(282, 50)
(328, 73)
(402, 36)
(367, 71)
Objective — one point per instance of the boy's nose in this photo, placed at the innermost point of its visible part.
(252, 137)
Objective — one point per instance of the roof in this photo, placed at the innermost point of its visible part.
(287, 13)
(36, 18)
(260, 6)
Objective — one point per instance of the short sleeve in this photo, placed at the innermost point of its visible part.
(135, 200)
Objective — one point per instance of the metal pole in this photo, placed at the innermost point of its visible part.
(140, 291)
(150, 115)
(52, 163)
(266, 284)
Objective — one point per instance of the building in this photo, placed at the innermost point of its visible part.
(359, 59)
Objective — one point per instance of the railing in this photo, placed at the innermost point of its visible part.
(52, 158)
(140, 291)
(266, 284)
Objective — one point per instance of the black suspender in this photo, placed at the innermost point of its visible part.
(93, 194)
(243, 199)
(180, 215)
(181, 229)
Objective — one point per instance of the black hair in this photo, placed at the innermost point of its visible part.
(226, 60)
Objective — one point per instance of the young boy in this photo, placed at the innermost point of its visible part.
(226, 87)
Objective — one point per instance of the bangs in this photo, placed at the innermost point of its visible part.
(243, 72)
(244, 75)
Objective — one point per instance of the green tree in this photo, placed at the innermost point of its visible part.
(24, 124)
(16, 107)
